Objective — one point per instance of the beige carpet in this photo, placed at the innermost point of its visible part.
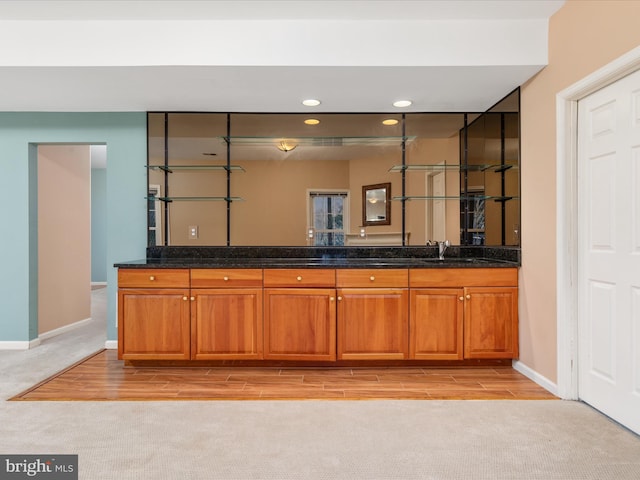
(278, 440)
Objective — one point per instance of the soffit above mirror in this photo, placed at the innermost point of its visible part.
(444, 56)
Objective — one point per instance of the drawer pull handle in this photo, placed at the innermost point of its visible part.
(461, 298)
(299, 278)
(226, 279)
(152, 278)
(468, 297)
(372, 278)
(185, 298)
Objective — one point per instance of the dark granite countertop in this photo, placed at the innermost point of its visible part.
(325, 257)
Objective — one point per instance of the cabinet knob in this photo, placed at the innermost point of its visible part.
(226, 279)
(468, 297)
(298, 278)
(372, 278)
(331, 299)
(193, 299)
(339, 298)
(461, 298)
(152, 278)
(185, 298)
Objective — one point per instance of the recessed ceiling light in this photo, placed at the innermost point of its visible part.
(390, 121)
(311, 102)
(402, 103)
(312, 121)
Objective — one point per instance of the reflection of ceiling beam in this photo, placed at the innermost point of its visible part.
(323, 141)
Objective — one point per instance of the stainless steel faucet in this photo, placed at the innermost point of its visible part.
(442, 246)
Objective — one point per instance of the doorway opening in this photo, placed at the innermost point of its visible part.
(71, 238)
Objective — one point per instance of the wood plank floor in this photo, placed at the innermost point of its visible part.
(103, 377)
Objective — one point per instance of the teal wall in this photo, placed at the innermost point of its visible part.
(98, 225)
(20, 133)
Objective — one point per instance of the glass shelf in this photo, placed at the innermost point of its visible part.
(196, 199)
(454, 167)
(170, 168)
(320, 141)
(495, 198)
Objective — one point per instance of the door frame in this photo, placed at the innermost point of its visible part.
(566, 213)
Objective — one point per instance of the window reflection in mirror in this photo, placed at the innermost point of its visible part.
(328, 215)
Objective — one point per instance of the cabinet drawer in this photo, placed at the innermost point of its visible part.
(300, 278)
(375, 278)
(153, 278)
(221, 278)
(463, 277)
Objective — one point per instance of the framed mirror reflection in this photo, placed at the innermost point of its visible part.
(376, 204)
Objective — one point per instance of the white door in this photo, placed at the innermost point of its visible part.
(609, 250)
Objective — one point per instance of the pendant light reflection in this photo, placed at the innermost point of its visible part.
(286, 145)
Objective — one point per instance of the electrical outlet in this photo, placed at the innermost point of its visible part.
(193, 232)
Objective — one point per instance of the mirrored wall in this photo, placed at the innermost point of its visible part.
(301, 180)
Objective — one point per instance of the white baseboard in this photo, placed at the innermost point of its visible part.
(111, 344)
(531, 374)
(57, 331)
(98, 284)
(26, 345)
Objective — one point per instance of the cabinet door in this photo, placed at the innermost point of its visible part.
(226, 324)
(373, 324)
(299, 324)
(436, 324)
(491, 322)
(153, 324)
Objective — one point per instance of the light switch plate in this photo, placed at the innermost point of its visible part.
(193, 232)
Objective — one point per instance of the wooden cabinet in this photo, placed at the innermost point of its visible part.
(486, 300)
(318, 314)
(299, 315)
(153, 320)
(435, 322)
(373, 314)
(226, 320)
(491, 322)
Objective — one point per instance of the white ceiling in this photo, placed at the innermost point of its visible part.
(276, 9)
(99, 55)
